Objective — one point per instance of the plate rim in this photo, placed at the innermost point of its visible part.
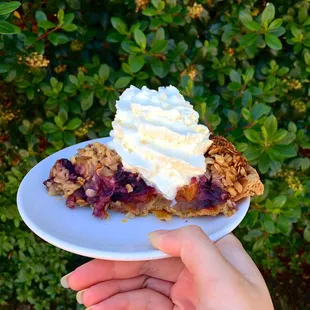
(102, 254)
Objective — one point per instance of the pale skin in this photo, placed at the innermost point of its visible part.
(200, 275)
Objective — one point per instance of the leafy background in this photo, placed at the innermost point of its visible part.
(245, 66)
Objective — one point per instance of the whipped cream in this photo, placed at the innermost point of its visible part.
(157, 135)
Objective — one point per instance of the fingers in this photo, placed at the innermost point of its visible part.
(104, 290)
(143, 299)
(197, 251)
(97, 271)
(232, 249)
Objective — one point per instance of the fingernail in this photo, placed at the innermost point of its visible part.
(155, 234)
(64, 281)
(79, 297)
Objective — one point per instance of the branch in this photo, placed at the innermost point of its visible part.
(44, 35)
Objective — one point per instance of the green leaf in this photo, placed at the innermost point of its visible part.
(295, 31)
(104, 72)
(279, 136)
(68, 18)
(156, 3)
(126, 68)
(279, 202)
(302, 14)
(245, 17)
(275, 155)
(136, 63)
(140, 38)
(263, 163)
(252, 25)
(130, 47)
(62, 38)
(58, 121)
(304, 163)
(271, 125)
(275, 24)
(7, 28)
(273, 42)
(8, 7)
(247, 98)
(307, 233)
(258, 245)
(234, 86)
(269, 226)
(159, 68)
(248, 76)
(259, 110)
(63, 114)
(268, 14)
(277, 31)
(69, 27)
(252, 152)
(54, 82)
(123, 82)
(4, 68)
(159, 46)
(286, 151)
(49, 127)
(149, 12)
(73, 79)
(46, 24)
(87, 100)
(69, 138)
(253, 136)
(119, 25)
(232, 117)
(74, 124)
(248, 39)
(292, 127)
(53, 38)
(283, 225)
(167, 18)
(60, 16)
(40, 15)
(307, 58)
(307, 22)
(246, 114)
(10, 76)
(235, 76)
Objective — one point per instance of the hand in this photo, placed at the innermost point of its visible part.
(201, 275)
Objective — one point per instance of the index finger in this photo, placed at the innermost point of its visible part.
(97, 271)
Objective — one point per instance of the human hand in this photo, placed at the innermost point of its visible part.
(201, 275)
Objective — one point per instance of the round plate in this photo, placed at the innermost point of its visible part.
(117, 238)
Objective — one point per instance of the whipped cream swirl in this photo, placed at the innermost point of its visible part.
(157, 135)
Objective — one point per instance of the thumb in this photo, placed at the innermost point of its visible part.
(196, 250)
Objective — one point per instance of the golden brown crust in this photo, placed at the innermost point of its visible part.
(159, 204)
(251, 184)
(231, 171)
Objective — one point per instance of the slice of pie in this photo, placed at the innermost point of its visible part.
(160, 160)
(95, 177)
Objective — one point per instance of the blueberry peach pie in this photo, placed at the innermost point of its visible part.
(160, 161)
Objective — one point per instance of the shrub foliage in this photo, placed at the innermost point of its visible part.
(245, 66)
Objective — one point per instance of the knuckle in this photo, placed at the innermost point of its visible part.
(193, 229)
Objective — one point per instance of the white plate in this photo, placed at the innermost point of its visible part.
(117, 238)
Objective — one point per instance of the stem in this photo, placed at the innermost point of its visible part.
(160, 56)
(44, 35)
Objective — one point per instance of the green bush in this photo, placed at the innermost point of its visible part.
(245, 66)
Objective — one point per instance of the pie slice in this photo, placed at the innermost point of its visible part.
(95, 177)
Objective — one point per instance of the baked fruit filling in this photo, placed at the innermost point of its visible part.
(95, 177)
